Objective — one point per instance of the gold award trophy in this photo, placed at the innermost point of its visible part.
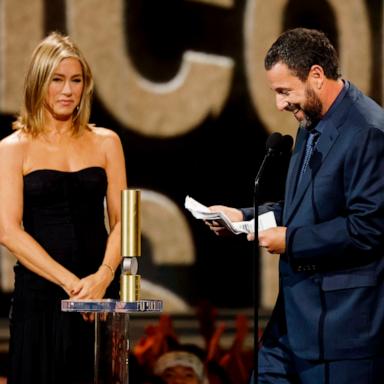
(130, 245)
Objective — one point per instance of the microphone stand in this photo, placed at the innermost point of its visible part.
(273, 145)
(256, 289)
(256, 266)
(276, 145)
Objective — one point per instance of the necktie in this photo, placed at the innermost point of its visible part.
(310, 145)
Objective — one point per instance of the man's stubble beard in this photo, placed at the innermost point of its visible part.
(311, 109)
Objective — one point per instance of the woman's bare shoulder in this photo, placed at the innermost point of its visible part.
(105, 136)
(13, 149)
(103, 133)
(16, 141)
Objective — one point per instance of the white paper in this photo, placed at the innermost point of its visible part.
(201, 212)
(266, 220)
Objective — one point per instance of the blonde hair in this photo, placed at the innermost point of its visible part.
(45, 59)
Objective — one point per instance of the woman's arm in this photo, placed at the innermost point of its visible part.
(20, 243)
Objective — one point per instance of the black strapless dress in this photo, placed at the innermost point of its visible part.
(64, 213)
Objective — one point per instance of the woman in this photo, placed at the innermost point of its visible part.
(55, 171)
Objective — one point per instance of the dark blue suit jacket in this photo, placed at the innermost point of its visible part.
(331, 300)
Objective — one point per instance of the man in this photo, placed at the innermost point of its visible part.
(328, 322)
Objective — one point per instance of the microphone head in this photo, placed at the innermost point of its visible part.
(274, 142)
(286, 143)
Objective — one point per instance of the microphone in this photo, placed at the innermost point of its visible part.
(273, 145)
(286, 144)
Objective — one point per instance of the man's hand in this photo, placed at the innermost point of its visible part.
(272, 239)
(232, 213)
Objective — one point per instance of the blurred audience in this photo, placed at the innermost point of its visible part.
(159, 357)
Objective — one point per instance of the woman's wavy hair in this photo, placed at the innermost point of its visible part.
(45, 59)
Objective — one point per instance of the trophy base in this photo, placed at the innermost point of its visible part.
(112, 334)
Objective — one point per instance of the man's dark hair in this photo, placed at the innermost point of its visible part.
(299, 49)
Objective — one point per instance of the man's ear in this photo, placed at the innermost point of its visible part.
(316, 76)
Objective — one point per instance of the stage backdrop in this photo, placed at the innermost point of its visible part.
(182, 83)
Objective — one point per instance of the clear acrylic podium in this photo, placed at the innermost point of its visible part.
(112, 316)
(112, 334)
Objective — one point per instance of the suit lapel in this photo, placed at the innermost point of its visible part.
(293, 169)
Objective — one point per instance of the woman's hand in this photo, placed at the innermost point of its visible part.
(69, 284)
(92, 287)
